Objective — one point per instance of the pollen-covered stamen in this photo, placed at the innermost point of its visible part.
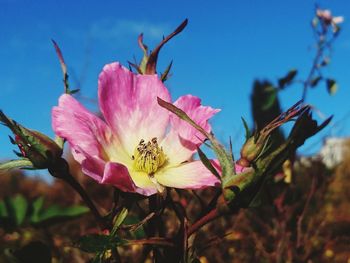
(148, 157)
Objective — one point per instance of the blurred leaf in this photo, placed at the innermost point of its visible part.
(332, 86)
(17, 208)
(13, 164)
(270, 100)
(315, 81)
(8, 257)
(36, 206)
(287, 79)
(57, 211)
(98, 243)
(3, 209)
(119, 220)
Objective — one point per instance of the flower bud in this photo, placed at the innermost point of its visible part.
(257, 145)
(33, 145)
(251, 150)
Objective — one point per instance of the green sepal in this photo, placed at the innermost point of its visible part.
(165, 76)
(16, 164)
(246, 128)
(35, 146)
(118, 220)
(204, 159)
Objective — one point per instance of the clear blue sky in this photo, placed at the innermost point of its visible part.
(224, 48)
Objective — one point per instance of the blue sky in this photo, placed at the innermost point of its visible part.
(226, 45)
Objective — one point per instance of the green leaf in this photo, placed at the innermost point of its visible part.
(36, 206)
(270, 99)
(98, 243)
(18, 206)
(207, 163)
(332, 86)
(119, 220)
(15, 164)
(57, 211)
(3, 209)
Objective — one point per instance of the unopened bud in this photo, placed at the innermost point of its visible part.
(251, 150)
(33, 145)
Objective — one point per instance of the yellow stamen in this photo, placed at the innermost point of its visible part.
(148, 157)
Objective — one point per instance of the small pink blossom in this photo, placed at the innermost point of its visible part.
(326, 17)
(138, 146)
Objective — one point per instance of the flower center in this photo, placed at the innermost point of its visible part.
(148, 157)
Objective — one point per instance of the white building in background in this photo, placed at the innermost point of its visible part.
(333, 151)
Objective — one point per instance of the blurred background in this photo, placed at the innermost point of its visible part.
(226, 46)
(229, 51)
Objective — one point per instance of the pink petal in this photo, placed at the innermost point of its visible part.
(84, 131)
(144, 185)
(183, 140)
(191, 175)
(118, 175)
(129, 104)
(93, 167)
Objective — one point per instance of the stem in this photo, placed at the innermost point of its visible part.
(306, 206)
(157, 241)
(312, 71)
(80, 190)
(212, 215)
(60, 169)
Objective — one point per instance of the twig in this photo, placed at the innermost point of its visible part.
(301, 217)
(212, 215)
(156, 241)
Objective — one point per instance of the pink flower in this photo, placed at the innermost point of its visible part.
(326, 16)
(139, 146)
